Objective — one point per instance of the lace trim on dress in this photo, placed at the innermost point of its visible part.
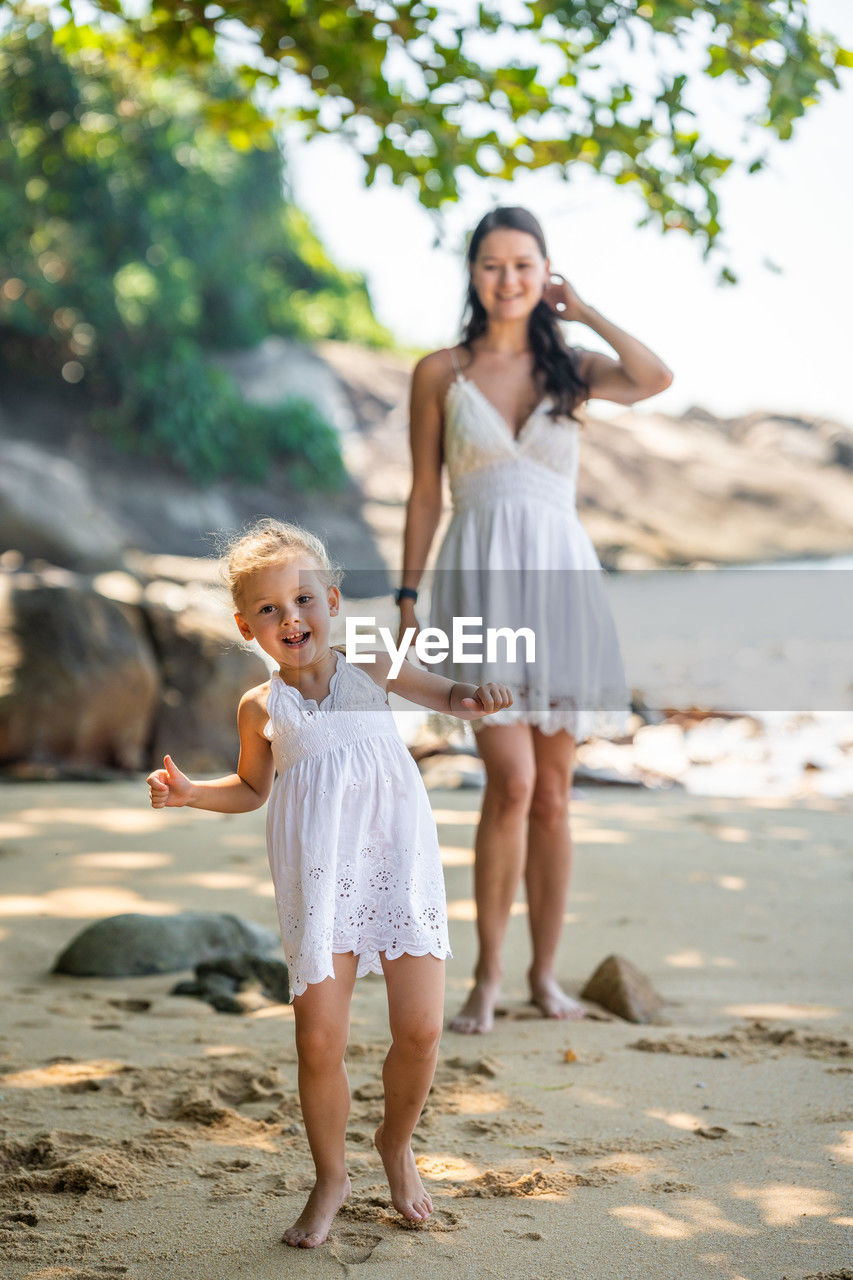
(379, 911)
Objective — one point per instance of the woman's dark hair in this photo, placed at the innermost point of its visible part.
(553, 361)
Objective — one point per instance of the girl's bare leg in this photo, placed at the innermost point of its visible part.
(548, 870)
(322, 1030)
(415, 1010)
(507, 753)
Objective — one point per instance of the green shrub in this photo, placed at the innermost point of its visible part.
(138, 234)
(197, 420)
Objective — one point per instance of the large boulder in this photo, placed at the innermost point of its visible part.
(205, 670)
(108, 673)
(78, 676)
(49, 509)
(131, 945)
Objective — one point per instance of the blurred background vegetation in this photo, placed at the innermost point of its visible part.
(145, 221)
(138, 236)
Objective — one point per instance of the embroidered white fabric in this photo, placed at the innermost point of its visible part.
(516, 555)
(351, 840)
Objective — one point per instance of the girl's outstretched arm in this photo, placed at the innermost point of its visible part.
(428, 689)
(238, 792)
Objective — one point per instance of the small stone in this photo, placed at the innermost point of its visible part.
(619, 986)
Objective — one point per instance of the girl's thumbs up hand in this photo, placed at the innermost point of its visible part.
(168, 787)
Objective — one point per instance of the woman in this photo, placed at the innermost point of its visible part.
(499, 410)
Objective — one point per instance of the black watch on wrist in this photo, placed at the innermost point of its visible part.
(405, 593)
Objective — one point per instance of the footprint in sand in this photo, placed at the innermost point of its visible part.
(488, 1067)
(377, 1209)
(714, 1131)
(495, 1183)
(353, 1246)
(829, 1275)
(750, 1041)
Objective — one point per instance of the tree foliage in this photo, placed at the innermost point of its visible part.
(425, 92)
(137, 234)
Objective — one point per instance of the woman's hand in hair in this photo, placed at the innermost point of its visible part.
(559, 295)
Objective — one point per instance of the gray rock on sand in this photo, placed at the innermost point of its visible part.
(131, 945)
(618, 986)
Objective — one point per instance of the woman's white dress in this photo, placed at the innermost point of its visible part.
(516, 555)
(352, 843)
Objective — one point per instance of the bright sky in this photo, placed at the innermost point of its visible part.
(774, 341)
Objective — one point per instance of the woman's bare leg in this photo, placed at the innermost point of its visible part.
(499, 852)
(415, 1011)
(322, 1031)
(548, 870)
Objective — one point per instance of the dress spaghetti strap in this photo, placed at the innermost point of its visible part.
(456, 369)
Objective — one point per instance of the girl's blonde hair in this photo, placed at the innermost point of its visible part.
(270, 542)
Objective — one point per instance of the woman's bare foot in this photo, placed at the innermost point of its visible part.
(408, 1194)
(553, 1001)
(312, 1225)
(477, 1014)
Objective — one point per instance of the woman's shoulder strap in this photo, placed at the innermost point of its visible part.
(455, 361)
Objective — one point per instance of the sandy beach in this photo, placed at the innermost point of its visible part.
(146, 1136)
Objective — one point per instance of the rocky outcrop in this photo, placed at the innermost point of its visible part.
(111, 672)
(657, 491)
(49, 509)
(68, 497)
(79, 682)
(277, 370)
(654, 490)
(114, 669)
(205, 669)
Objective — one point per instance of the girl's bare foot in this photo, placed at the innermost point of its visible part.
(408, 1194)
(477, 1014)
(552, 999)
(312, 1225)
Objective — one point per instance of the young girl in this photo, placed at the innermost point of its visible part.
(352, 846)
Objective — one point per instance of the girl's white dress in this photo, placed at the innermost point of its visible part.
(516, 555)
(352, 843)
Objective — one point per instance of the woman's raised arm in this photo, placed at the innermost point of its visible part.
(637, 374)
